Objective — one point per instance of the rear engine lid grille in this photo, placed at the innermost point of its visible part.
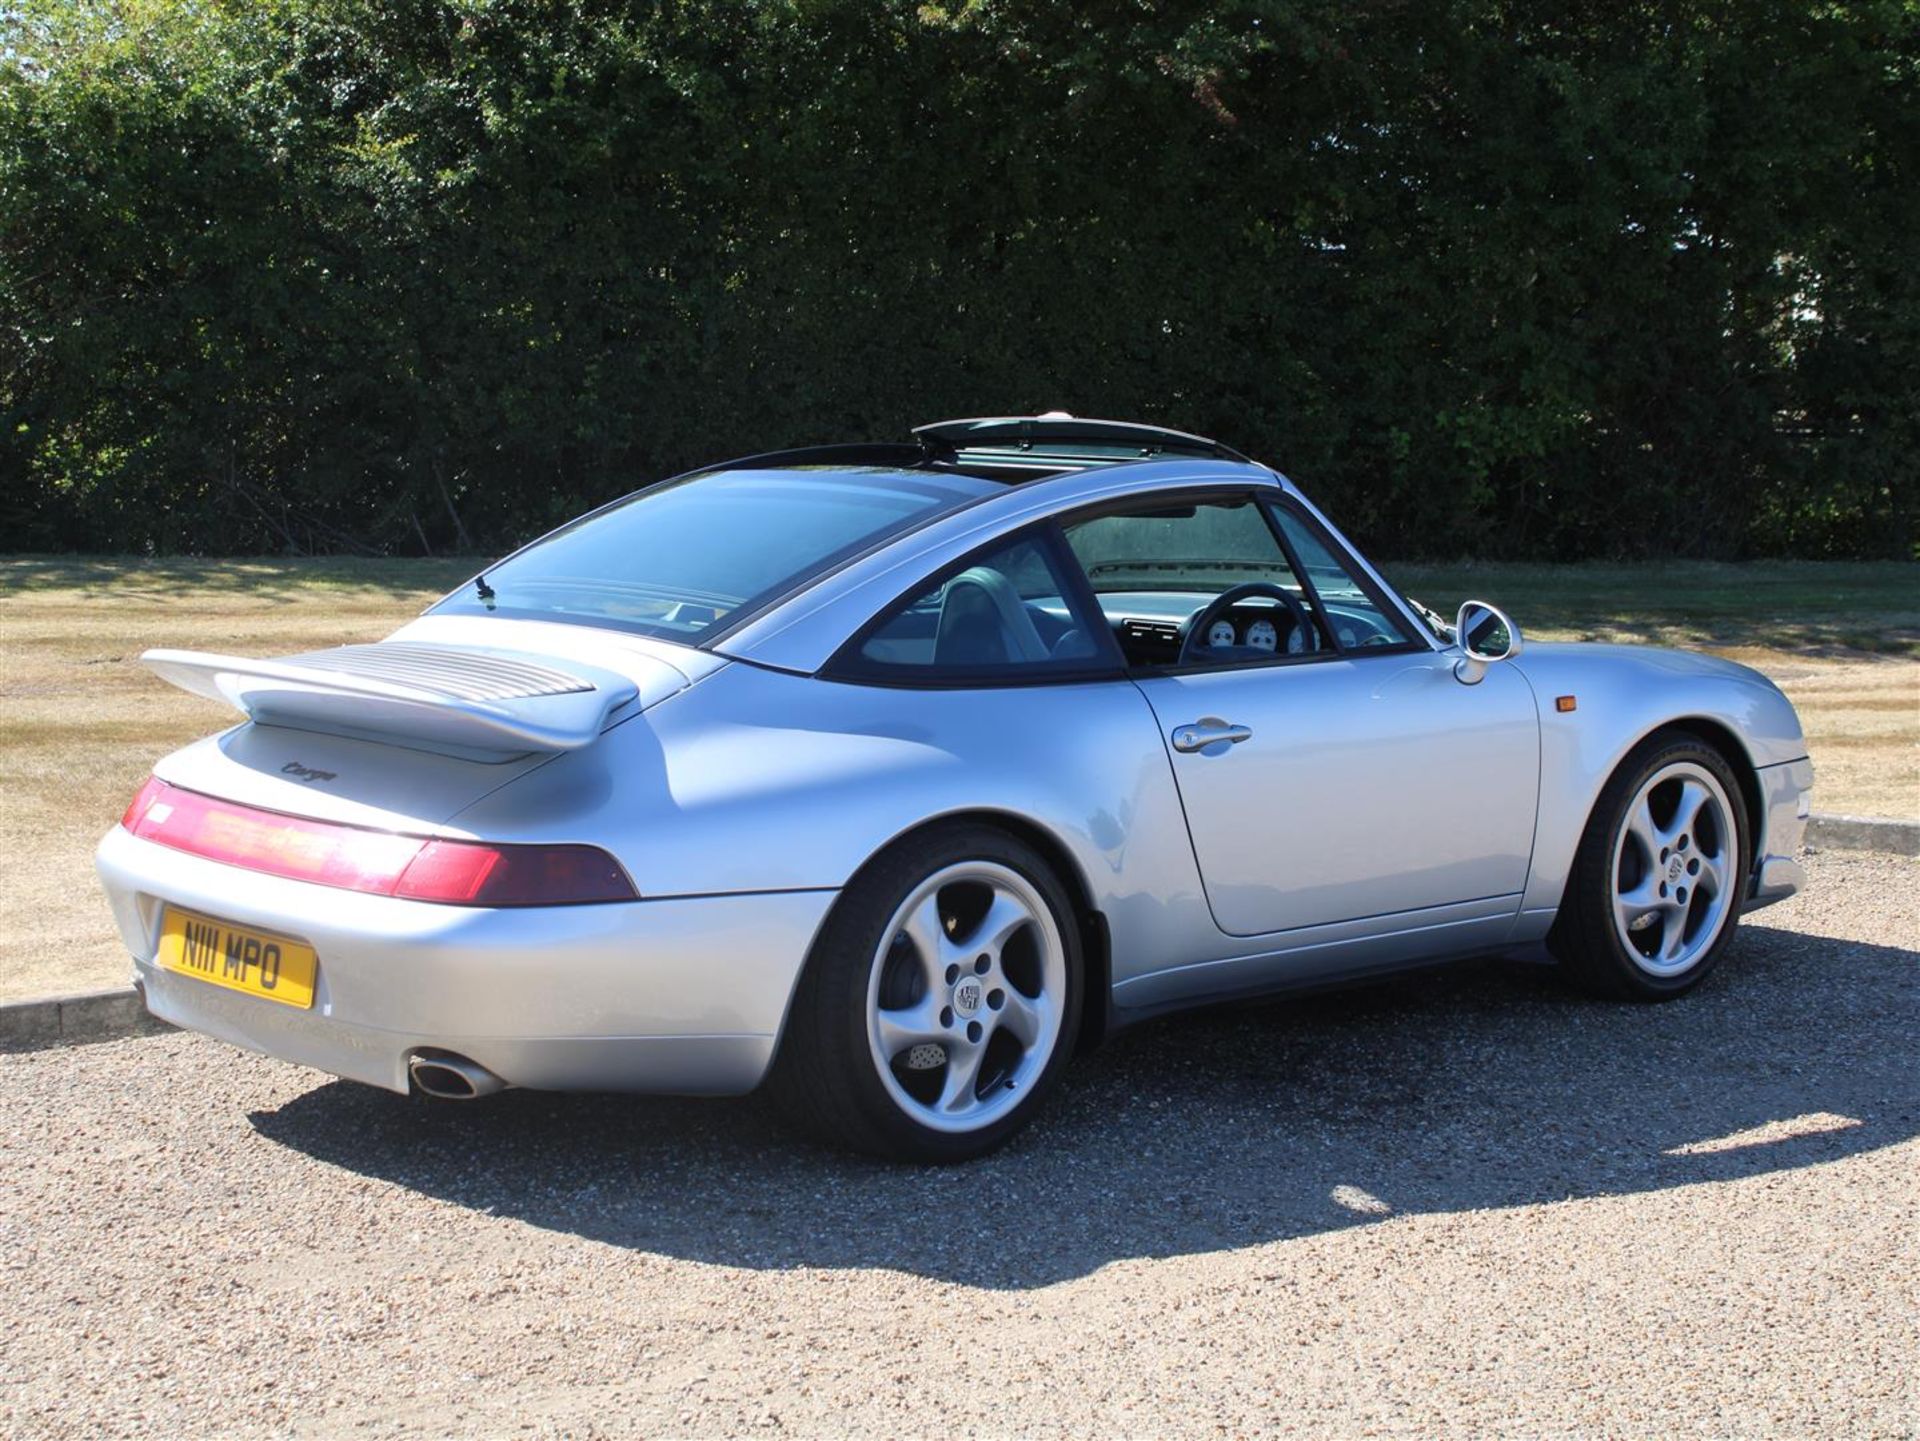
(455, 672)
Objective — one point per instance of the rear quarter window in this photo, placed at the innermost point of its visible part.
(681, 560)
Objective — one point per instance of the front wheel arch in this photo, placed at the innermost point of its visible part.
(1731, 749)
(1734, 752)
(1572, 916)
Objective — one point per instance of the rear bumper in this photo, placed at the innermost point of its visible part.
(1786, 793)
(682, 996)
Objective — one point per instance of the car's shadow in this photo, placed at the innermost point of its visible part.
(1484, 1086)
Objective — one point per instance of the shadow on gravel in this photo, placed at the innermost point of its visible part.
(1479, 1087)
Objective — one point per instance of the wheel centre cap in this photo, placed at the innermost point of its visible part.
(1674, 868)
(966, 995)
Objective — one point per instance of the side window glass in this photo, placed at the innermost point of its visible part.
(1007, 613)
(1356, 617)
(1199, 583)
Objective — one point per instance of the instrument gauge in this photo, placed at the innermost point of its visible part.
(1220, 633)
(1263, 635)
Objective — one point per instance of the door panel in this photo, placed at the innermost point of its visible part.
(1367, 787)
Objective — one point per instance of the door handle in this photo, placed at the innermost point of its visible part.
(1208, 731)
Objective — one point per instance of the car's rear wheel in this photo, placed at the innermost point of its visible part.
(1657, 883)
(939, 1003)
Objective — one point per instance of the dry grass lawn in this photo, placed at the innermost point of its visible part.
(81, 720)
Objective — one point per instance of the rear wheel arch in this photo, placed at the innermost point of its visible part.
(1090, 922)
(830, 1073)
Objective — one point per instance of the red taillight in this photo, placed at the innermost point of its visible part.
(462, 873)
(420, 868)
(137, 807)
(303, 850)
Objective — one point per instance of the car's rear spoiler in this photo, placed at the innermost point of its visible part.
(463, 700)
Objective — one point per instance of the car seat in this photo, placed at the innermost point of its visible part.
(983, 621)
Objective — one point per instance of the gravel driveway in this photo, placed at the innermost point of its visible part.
(1457, 1202)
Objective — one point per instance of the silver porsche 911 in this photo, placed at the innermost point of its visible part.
(889, 775)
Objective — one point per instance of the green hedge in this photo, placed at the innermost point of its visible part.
(1537, 279)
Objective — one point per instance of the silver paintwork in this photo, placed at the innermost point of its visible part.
(488, 703)
(1780, 830)
(1625, 693)
(965, 996)
(682, 996)
(1375, 813)
(1343, 806)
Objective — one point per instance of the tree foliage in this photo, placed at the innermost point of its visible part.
(1500, 277)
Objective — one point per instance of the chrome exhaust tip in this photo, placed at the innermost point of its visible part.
(452, 1078)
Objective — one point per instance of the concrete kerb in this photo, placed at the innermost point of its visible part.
(109, 1015)
(66, 1020)
(1862, 833)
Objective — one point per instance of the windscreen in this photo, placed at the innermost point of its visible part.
(679, 560)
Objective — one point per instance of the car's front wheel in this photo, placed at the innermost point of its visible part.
(940, 1001)
(1657, 882)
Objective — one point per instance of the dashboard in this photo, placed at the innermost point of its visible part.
(1149, 623)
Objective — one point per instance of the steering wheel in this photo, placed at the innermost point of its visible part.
(1227, 599)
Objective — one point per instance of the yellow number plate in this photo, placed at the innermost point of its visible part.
(237, 957)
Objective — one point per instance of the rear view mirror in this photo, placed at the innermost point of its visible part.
(1486, 635)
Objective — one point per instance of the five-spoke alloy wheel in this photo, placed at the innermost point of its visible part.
(1656, 884)
(964, 1003)
(1672, 890)
(940, 1001)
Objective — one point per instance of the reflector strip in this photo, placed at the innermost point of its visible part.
(354, 858)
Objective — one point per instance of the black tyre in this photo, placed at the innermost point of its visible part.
(1660, 875)
(940, 1002)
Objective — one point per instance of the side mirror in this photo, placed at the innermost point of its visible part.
(1486, 634)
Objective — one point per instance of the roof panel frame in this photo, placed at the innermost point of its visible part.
(1021, 432)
